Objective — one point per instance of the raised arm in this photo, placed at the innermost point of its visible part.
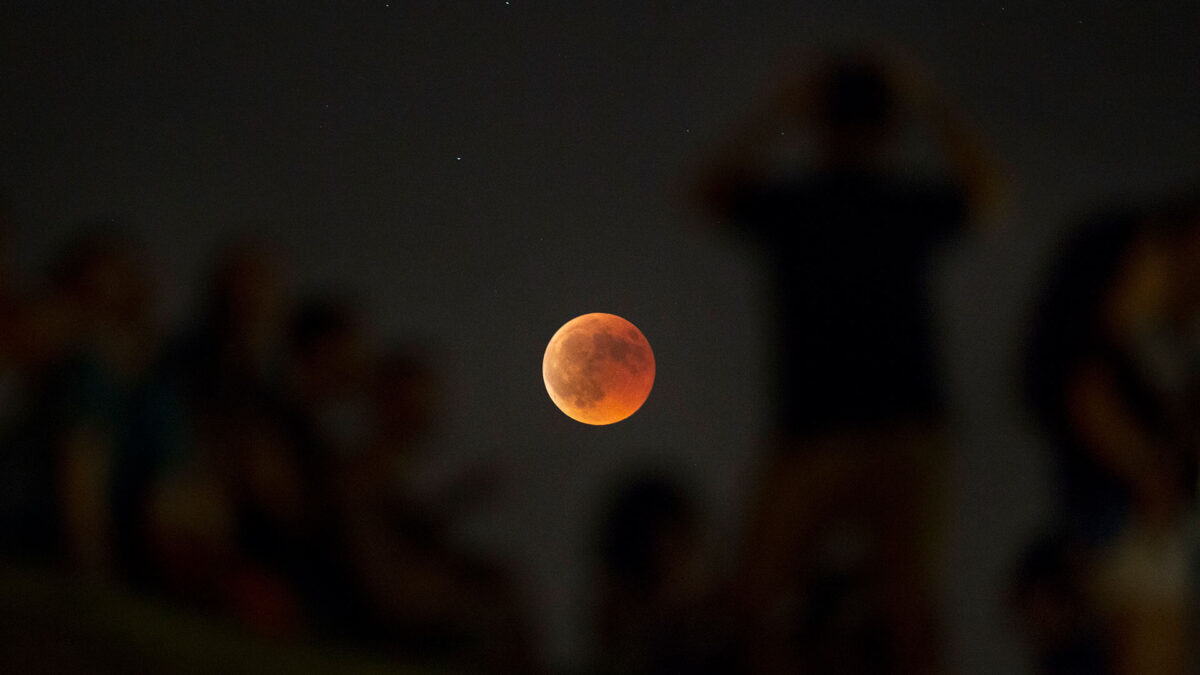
(966, 156)
(741, 161)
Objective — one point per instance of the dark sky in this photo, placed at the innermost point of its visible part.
(480, 172)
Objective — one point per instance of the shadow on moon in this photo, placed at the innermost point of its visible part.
(598, 368)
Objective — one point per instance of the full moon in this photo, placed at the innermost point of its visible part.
(598, 368)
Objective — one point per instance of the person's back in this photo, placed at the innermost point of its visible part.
(859, 415)
(849, 252)
(849, 241)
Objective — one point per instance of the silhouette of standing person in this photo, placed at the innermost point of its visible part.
(858, 410)
(1112, 370)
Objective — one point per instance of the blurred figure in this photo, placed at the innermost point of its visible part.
(219, 421)
(16, 373)
(327, 379)
(860, 419)
(12, 326)
(424, 595)
(656, 608)
(1112, 376)
(286, 455)
(1106, 288)
(235, 352)
(79, 430)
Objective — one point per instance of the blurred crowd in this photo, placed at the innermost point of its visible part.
(254, 463)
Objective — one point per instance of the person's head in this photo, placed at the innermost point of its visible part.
(1157, 279)
(1179, 222)
(246, 294)
(1121, 277)
(328, 349)
(855, 112)
(103, 278)
(650, 538)
(328, 380)
(404, 394)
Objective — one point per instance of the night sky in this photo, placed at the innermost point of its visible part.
(477, 173)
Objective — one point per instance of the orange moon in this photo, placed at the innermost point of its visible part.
(598, 368)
